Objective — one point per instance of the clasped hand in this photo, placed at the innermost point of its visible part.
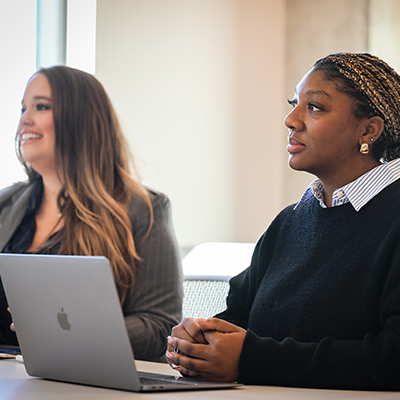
(206, 348)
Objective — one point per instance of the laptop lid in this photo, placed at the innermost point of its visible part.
(70, 325)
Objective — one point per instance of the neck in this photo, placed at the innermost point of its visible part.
(51, 189)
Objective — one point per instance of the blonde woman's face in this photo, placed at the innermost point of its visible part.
(36, 125)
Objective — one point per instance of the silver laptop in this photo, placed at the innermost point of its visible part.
(70, 325)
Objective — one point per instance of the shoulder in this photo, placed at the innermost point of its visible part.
(11, 193)
(159, 201)
(141, 215)
(15, 188)
(160, 204)
(288, 220)
(289, 213)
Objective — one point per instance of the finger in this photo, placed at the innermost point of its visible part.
(171, 345)
(211, 361)
(200, 368)
(188, 330)
(189, 349)
(187, 372)
(187, 365)
(215, 324)
(170, 361)
(174, 364)
(193, 330)
(194, 374)
(213, 336)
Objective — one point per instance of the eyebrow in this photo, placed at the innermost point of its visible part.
(42, 98)
(311, 92)
(39, 98)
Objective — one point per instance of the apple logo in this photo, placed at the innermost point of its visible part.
(63, 320)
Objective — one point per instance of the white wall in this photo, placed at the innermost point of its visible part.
(81, 35)
(316, 29)
(18, 49)
(195, 84)
(384, 31)
(201, 88)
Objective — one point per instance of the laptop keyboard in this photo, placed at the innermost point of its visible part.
(10, 350)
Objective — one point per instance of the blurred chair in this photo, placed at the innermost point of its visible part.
(207, 269)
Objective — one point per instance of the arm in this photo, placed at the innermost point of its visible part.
(369, 361)
(234, 354)
(154, 306)
(244, 286)
(368, 364)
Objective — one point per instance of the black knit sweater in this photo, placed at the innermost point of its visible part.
(321, 298)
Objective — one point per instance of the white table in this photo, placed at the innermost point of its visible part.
(15, 384)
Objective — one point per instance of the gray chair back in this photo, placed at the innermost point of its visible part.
(207, 269)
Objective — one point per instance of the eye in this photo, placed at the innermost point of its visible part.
(293, 102)
(22, 110)
(313, 107)
(43, 107)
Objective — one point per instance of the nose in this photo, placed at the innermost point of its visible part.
(293, 120)
(25, 118)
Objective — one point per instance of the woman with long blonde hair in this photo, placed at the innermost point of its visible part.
(81, 200)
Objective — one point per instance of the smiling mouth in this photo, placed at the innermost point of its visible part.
(30, 136)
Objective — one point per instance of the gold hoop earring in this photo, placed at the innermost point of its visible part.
(364, 149)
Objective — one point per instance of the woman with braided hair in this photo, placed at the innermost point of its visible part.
(319, 306)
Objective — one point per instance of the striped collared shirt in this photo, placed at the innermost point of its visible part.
(358, 192)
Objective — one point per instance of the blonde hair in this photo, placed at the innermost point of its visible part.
(98, 189)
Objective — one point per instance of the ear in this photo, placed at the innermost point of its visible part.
(373, 128)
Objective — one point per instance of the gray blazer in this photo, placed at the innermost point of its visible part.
(155, 304)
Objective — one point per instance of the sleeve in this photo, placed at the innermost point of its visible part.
(244, 286)
(155, 304)
(368, 364)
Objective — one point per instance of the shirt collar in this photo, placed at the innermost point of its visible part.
(360, 191)
(316, 189)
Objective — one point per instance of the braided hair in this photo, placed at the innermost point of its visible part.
(375, 88)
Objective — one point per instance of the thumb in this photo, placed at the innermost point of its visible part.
(215, 324)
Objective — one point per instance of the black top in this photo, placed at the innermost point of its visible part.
(321, 298)
(23, 237)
